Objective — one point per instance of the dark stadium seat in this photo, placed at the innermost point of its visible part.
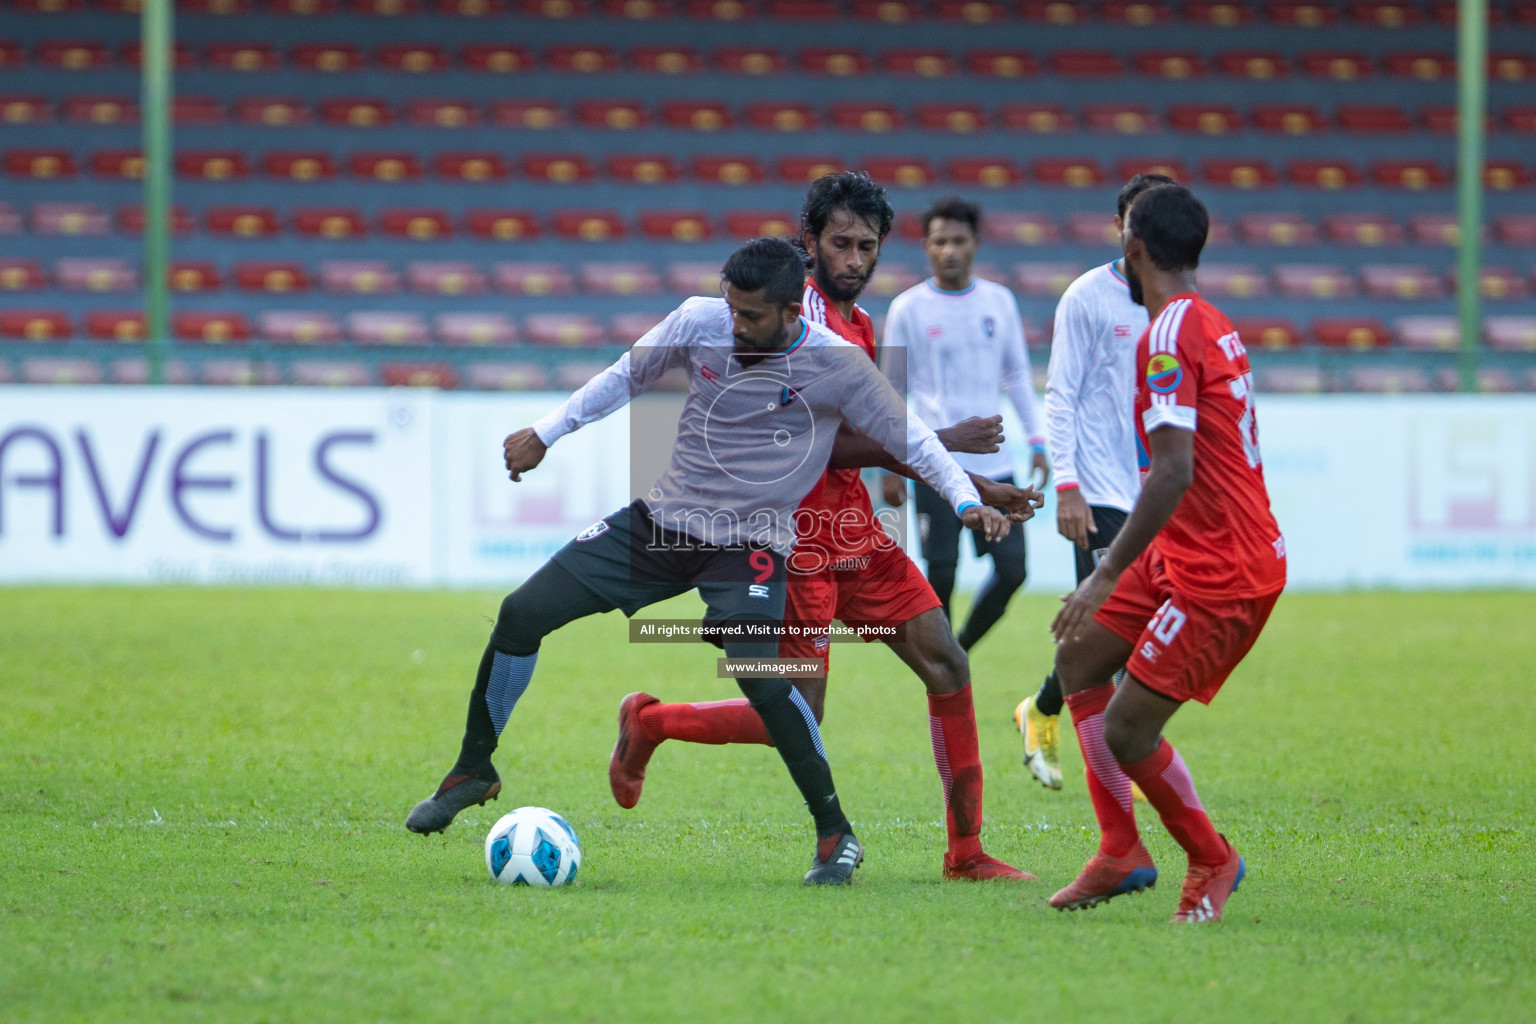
(1036, 118)
(1288, 119)
(1204, 118)
(1322, 174)
(750, 60)
(119, 325)
(328, 57)
(726, 169)
(1520, 119)
(638, 10)
(561, 168)
(243, 56)
(804, 169)
(502, 225)
(536, 114)
(1426, 66)
(1259, 65)
(501, 376)
(1285, 229)
(955, 118)
(299, 327)
(212, 164)
(385, 165)
(73, 54)
(564, 329)
(35, 325)
(1428, 333)
(889, 12)
(387, 328)
(1512, 66)
(743, 224)
(32, 108)
(130, 219)
(985, 172)
(22, 275)
(1401, 281)
(118, 164)
(1337, 65)
(46, 370)
(617, 115)
(418, 375)
(271, 111)
(413, 58)
(1232, 280)
(911, 171)
(242, 221)
(1018, 228)
(471, 166)
(1238, 173)
(1002, 63)
(418, 223)
(1136, 12)
(1506, 175)
(1220, 13)
(1414, 175)
(1358, 333)
(529, 278)
(299, 164)
(875, 118)
(359, 277)
(89, 108)
(442, 113)
(801, 10)
(1175, 65)
(1300, 13)
(1080, 172)
(497, 58)
(210, 328)
(1055, 12)
(676, 225)
(43, 164)
(619, 278)
(1314, 281)
(782, 116)
(1120, 118)
(444, 277)
(641, 168)
(276, 277)
(838, 61)
(474, 329)
(356, 112)
(329, 222)
(1046, 280)
(95, 274)
(192, 277)
(1372, 119)
(1498, 283)
(336, 373)
(1275, 333)
(697, 116)
(920, 63)
(1368, 229)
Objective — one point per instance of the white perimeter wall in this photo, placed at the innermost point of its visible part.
(406, 488)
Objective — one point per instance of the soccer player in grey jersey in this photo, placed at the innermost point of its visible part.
(767, 394)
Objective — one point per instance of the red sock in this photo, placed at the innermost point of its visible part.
(1108, 786)
(1166, 781)
(957, 755)
(716, 721)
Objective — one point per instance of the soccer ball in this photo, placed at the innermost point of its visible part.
(532, 846)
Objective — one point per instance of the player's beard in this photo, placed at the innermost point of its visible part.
(1134, 281)
(835, 290)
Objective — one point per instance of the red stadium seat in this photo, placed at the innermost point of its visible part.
(626, 278)
(986, 172)
(731, 169)
(1435, 229)
(1512, 67)
(1506, 175)
(532, 279)
(584, 60)
(1035, 118)
(212, 164)
(442, 113)
(903, 171)
(329, 222)
(359, 277)
(618, 115)
(1337, 65)
(190, 277)
(1521, 12)
(1384, 13)
(297, 327)
(1415, 175)
(1055, 12)
(676, 225)
(419, 375)
(384, 165)
(1232, 280)
(875, 118)
(475, 329)
(413, 58)
(918, 63)
(1397, 281)
(1221, 13)
(1092, 228)
(1314, 281)
(330, 373)
(444, 277)
(527, 113)
(502, 225)
(741, 224)
(1515, 228)
(300, 8)
(1428, 333)
(387, 327)
(1204, 118)
(1170, 166)
(1259, 65)
(416, 223)
(1300, 13)
(210, 328)
(1085, 63)
(477, 166)
(1012, 228)
(564, 329)
(1002, 63)
(125, 326)
(956, 118)
(242, 221)
(31, 108)
(73, 55)
(891, 279)
(1323, 174)
(784, 116)
(1120, 118)
(1289, 119)
(637, 10)
(11, 55)
(693, 278)
(909, 225)
(1175, 65)
(562, 168)
(666, 60)
(1135, 12)
(553, 9)
(95, 274)
(1520, 119)
(802, 10)
(1498, 283)
(1368, 229)
(35, 325)
(49, 6)
(356, 113)
(1070, 173)
(22, 275)
(247, 57)
(1425, 66)
(299, 165)
(1372, 119)
(271, 111)
(327, 57)
(42, 164)
(499, 376)
(275, 277)
(806, 169)
(1046, 280)
(122, 164)
(750, 60)
(642, 168)
(1275, 333)
(690, 115)
(385, 8)
(719, 10)
(497, 58)
(1505, 333)
(588, 225)
(193, 110)
(98, 109)
(60, 371)
(840, 62)
(890, 12)
(1350, 332)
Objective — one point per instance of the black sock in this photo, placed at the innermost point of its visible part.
(479, 741)
(1048, 700)
(795, 736)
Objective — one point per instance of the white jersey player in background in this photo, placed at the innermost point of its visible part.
(961, 344)
(1089, 392)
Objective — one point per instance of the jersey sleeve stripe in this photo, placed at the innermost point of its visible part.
(1165, 334)
(1163, 413)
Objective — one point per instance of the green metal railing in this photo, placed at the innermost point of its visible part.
(156, 28)
(1472, 109)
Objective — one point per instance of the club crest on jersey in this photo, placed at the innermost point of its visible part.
(1164, 374)
(787, 396)
(989, 325)
(597, 529)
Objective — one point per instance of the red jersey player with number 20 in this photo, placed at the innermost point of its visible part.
(1185, 588)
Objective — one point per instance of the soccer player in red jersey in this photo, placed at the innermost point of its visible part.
(846, 567)
(1182, 593)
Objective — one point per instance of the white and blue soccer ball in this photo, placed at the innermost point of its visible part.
(532, 846)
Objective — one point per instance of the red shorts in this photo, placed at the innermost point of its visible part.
(1184, 646)
(887, 590)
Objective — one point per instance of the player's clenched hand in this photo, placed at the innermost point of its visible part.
(523, 450)
(894, 490)
(978, 435)
(1077, 608)
(1074, 519)
(987, 521)
(1019, 502)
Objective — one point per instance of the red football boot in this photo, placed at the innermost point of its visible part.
(632, 752)
(1206, 889)
(985, 868)
(1106, 877)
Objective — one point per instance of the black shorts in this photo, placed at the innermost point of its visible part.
(1108, 521)
(630, 561)
(939, 530)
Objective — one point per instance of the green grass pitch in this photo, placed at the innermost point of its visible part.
(202, 792)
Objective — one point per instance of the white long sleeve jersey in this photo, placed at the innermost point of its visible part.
(964, 350)
(1091, 387)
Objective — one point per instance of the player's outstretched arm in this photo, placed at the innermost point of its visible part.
(1172, 471)
(854, 449)
(1020, 503)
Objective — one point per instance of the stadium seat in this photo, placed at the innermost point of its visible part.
(890, 12)
(584, 60)
(665, 60)
(328, 57)
(575, 330)
(515, 278)
(1520, 119)
(956, 118)
(416, 223)
(1384, 13)
(73, 55)
(487, 376)
(444, 277)
(903, 171)
(1085, 63)
(1204, 118)
(1337, 65)
(638, 10)
(535, 114)
(1046, 280)
(299, 164)
(1314, 281)
(1506, 175)
(572, 374)
(676, 225)
(693, 278)
(1290, 379)
(45, 370)
(750, 60)
(242, 221)
(1428, 333)
(891, 279)
(335, 373)
(413, 58)
(55, 218)
(473, 166)
(1055, 12)
(119, 164)
(1369, 229)
(618, 278)
(1120, 118)
(1486, 380)
(781, 116)
(617, 115)
(35, 325)
(973, 12)
(1275, 333)
(1276, 229)
(1372, 119)
(1175, 65)
(743, 224)
(22, 275)
(442, 113)
(497, 58)
(1171, 166)
(1243, 174)
(43, 164)
(875, 118)
(30, 108)
(11, 55)
(130, 219)
(384, 165)
(236, 373)
(1018, 228)
(802, 10)
(271, 111)
(1512, 67)
(561, 168)
(246, 57)
(1092, 228)
(909, 225)
(387, 327)
(119, 325)
(1435, 229)
(1300, 13)
(1219, 13)
(1498, 283)
(1259, 65)
(1002, 63)
(564, 10)
(1323, 174)
(11, 221)
(1414, 175)
(95, 274)
(1035, 118)
(298, 327)
(212, 164)
(641, 168)
(918, 63)
(1067, 172)
(276, 277)
(419, 375)
(329, 222)
(691, 115)
(1350, 333)
(502, 225)
(1517, 229)
(1388, 380)
(983, 172)
(628, 328)
(838, 61)
(1288, 119)
(346, 112)
(801, 170)
(1422, 65)
(81, 109)
(192, 110)
(1400, 281)
(210, 328)
(1505, 333)
(358, 277)
(474, 329)
(1232, 280)
(190, 277)
(588, 225)
(726, 169)
(1135, 12)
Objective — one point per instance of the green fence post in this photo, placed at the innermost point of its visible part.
(1471, 109)
(155, 80)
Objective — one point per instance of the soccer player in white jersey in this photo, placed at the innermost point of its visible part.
(1089, 390)
(958, 342)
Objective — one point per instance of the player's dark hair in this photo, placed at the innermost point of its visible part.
(771, 264)
(954, 208)
(1135, 187)
(1172, 223)
(854, 191)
